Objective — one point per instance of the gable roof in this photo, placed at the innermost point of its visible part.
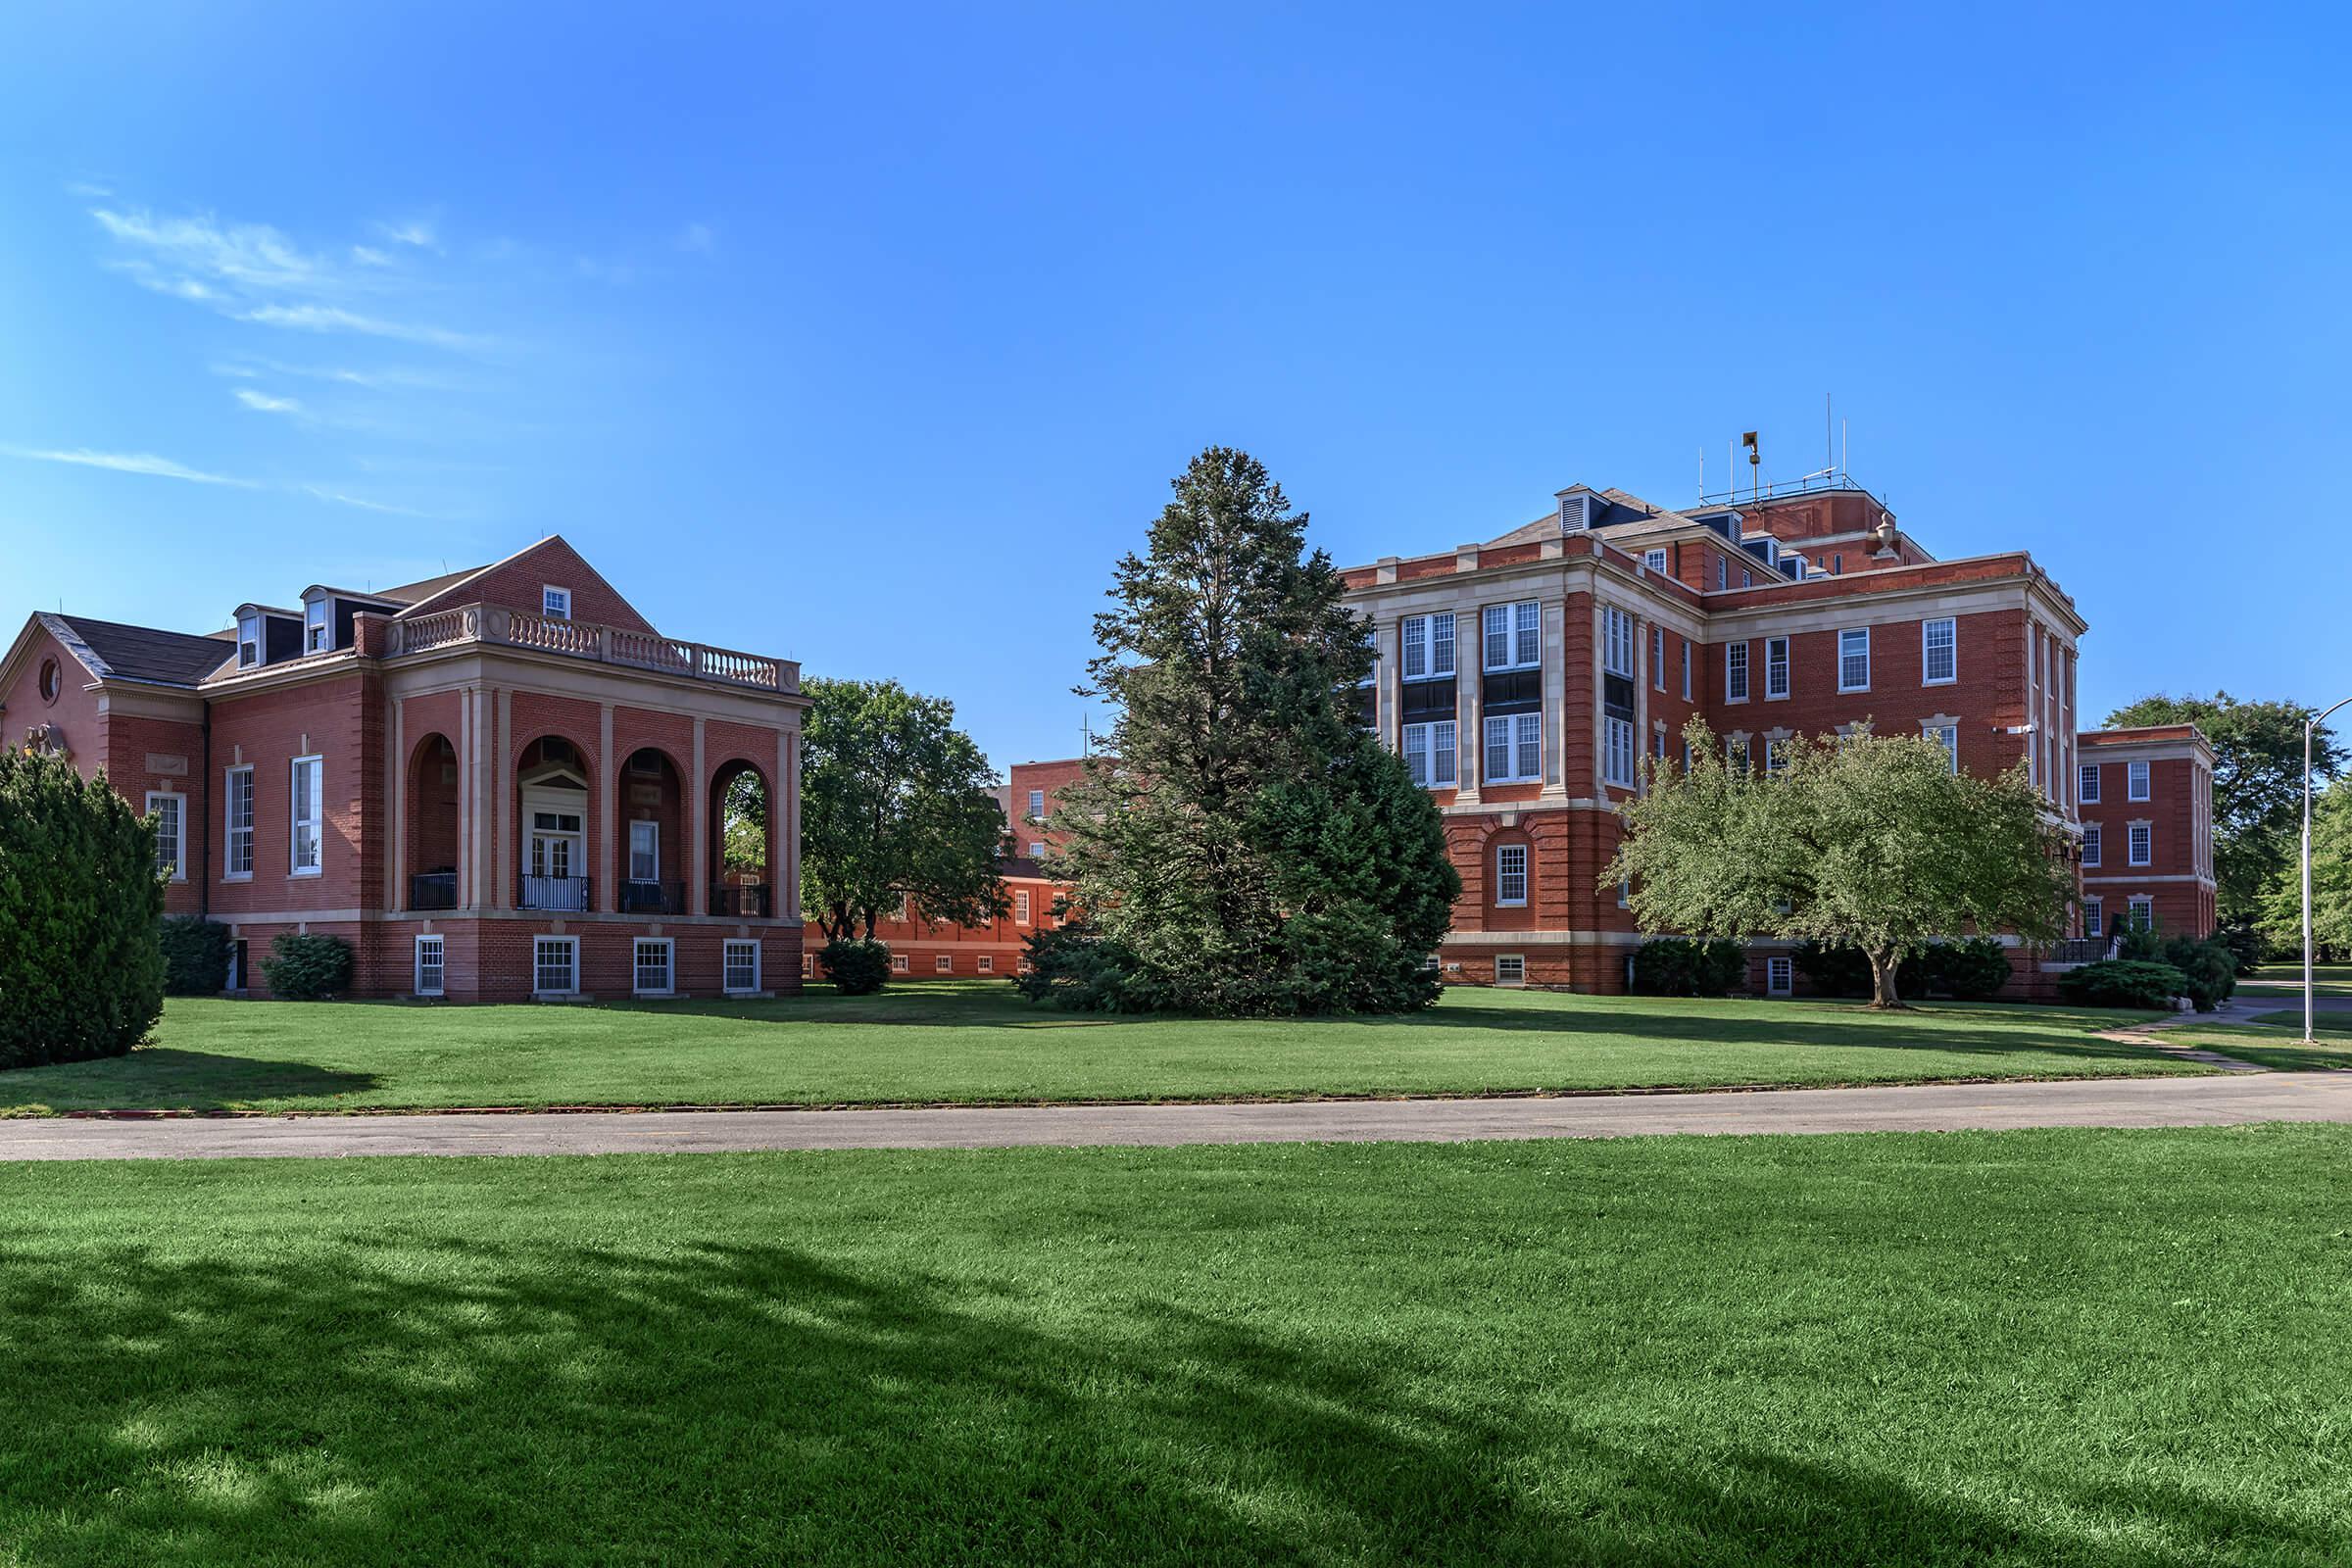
(1649, 518)
(452, 586)
(110, 649)
(417, 592)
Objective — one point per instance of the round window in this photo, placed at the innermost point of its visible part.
(52, 682)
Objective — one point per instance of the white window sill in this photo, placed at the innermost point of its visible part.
(1948, 680)
(1510, 903)
(312, 871)
(236, 876)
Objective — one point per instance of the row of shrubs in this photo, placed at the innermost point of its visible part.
(300, 968)
(2153, 970)
(1968, 970)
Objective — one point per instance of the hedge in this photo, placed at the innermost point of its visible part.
(195, 956)
(307, 968)
(2123, 983)
(1675, 966)
(857, 968)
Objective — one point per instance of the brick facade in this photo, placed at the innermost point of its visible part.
(2174, 889)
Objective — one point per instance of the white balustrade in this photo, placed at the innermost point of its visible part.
(611, 645)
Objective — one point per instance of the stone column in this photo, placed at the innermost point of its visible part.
(1555, 620)
(397, 795)
(698, 894)
(608, 812)
(1470, 701)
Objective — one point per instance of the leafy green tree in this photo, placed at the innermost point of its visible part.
(893, 800)
(2282, 908)
(743, 823)
(1866, 841)
(1252, 849)
(2257, 786)
(81, 969)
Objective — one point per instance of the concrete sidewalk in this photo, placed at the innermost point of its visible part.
(2200, 1102)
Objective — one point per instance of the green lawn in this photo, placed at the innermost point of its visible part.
(2276, 1041)
(1983, 1349)
(2279, 979)
(982, 1044)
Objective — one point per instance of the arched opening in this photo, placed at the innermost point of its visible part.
(743, 837)
(552, 791)
(654, 863)
(432, 824)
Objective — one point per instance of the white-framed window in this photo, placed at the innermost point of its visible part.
(1853, 660)
(898, 963)
(1723, 575)
(1686, 669)
(1657, 733)
(249, 641)
(1616, 640)
(2087, 785)
(236, 822)
(171, 814)
(1779, 976)
(944, 964)
(1618, 752)
(1510, 970)
(1948, 736)
(1776, 754)
(2094, 916)
(1796, 566)
(1510, 875)
(2092, 835)
(1020, 906)
(2143, 911)
(1734, 753)
(554, 603)
(1939, 651)
(2135, 781)
(645, 852)
(556, 965)
(427, 979)
(1748, 578)
(1735, 673)
(317, 626)
(1514, 747)
(1429, 754)
(1514, 638)
(1428, 644)
(1037, 846)
(987, 963)
(1037, 806)
(1655, 560)
(307, 816)
(739, 965)
(1776, 667)
(2141, 844)
(1657, 656)
(651, 964)
(808, 966)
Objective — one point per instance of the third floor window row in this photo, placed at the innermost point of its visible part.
(1514, 635)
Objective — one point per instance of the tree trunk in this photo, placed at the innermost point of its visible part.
(1882, 965)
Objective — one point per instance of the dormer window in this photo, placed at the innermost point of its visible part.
(317, 626)
(249, 641)
(554, 603)
(1576, 511)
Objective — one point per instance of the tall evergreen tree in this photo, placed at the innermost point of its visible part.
(1246, 848)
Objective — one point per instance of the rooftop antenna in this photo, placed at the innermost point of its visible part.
(1702, 470)
(1844, 447)
(1829, 451)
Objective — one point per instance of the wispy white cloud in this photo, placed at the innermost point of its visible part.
(335, 319)
(339, 499)
(698, 238)
(251, 255)
(263, 403)
(369, 256)
(376, 378)
(146, 462)
(420, 233)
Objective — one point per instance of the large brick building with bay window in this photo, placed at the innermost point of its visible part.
(498, 784)
(1524, 679)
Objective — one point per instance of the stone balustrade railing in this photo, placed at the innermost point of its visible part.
(497, 625)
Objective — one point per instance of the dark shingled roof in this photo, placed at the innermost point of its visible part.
(1020, 865)
(140, 653)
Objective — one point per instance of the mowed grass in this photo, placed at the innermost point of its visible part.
(1983, 1349)
(982, 1044)
(2275, 1040)
(2280, 979)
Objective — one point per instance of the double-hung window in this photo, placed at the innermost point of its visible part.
(1735, 673)
(2092, 835)
(1657, 657)
(556, 965)
(1723, 575)
(1617, 641)
(1686, 669)
(1853, 660)
(1618, 755)
(1429, 754)
(651, 966)
(2087, 788)
(1514, 636)
(739, 966)
(1429, 646)
(1948, 737)
(2135, 781)
(2143, 912)
(1510, 875)
(249, 641)
(554, 603)
(1776, 754)
(171, 814)
(1655, 560)
(2143, 848)
(307, 814)
(1020, 907)
(427, 981)
(1939, 651)
(1776, 667)
(317, 626)
(645, 852)
(2094, 916)
(1779, 976)
(1037, 806)
(1514, 747)
(236, 848)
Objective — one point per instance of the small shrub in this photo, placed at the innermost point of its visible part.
(2209, 966)
(1846, 972)
(307, 968)
(195, 956)
(857, 968)
(1070, 967)
(1674, 966)
(1971, 969)
(2123, 983)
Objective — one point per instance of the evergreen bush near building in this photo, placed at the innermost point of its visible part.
(195, 956)
(857, 968)
(307, 968)
(81, 972)
(2209, 966)
(1971, 969)
(1675, 966)
(2123, 983)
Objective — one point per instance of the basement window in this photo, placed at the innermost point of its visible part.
(1510, 970)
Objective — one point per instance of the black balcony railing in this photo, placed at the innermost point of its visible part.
(745, 900)
(567, 894)
(433, 890)
(652, 898)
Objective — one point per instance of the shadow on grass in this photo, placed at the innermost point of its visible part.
(164, 1075)
(403, 1399)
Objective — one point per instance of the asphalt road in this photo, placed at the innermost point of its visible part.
(2201, 1101)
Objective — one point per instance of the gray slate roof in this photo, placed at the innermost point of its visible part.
(139, 653)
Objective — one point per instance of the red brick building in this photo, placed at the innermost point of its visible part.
(2146, 798)
(494, 785)
(927, 949)
(1523, 678)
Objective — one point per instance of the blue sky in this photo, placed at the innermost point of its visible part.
(871, 336)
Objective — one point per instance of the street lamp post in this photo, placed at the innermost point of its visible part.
(2310, 1008)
